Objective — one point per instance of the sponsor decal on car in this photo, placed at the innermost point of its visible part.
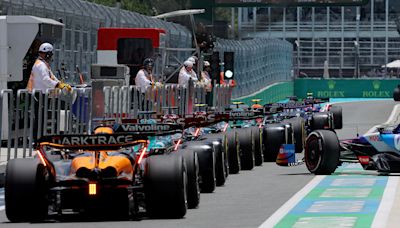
(397, 142)
(374, 138)
(144, 127)
(93, 140)
(241, 114)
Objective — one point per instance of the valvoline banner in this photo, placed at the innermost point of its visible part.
(346, 88)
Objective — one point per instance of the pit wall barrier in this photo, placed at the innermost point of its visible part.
(272, 93)
(345, 88)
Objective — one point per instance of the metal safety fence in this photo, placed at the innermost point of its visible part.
(25, 117)
(258, 63)
(130, 102)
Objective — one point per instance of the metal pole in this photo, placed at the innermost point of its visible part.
(233, 22)
(357, 42)
(357, 67)
(118, 7)
(239, 23)
(341, 64)
(387, 34)
(297, 42)
(254, 20)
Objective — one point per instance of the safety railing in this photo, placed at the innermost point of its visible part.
(25, 116)
(132, 102)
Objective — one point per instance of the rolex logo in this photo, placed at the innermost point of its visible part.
(376, 85)
(331, 84)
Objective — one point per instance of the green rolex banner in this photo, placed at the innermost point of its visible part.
(346, 88)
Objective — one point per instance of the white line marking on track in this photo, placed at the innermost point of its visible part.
(290, 204)
(383, 212)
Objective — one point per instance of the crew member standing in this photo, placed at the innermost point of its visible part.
(42, 78)
(144, 79)
(187, 73)
(206, 82)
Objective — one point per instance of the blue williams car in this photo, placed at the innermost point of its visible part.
(378, 149)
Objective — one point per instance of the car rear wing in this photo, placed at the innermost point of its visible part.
(92, 142)
(149, 129)
(165, 124)
(280, 107)
(249, 114)
(198, 119)
(316, 100)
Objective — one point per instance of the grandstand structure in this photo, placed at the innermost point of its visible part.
(355, 41)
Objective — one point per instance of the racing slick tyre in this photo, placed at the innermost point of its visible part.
(258, 146)
(233, 152)
(220, 157)
(246, 142)
(298, 126)
(165, 183)
(320, 121)
(322, 152)
(205, 153)
(274, 136)
(192, 167)
(396, 94)
(337, 116)
(26, 190)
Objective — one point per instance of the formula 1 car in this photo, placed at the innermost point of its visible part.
(290, 123)
(247, 123)
(211, 149)
(241, 137)
(100, 175)
(208, 153)
(376, 150)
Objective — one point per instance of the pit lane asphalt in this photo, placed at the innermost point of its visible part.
(249, 198)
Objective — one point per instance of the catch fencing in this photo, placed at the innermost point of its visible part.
(82, 20)
(258, 63)
(55, 112)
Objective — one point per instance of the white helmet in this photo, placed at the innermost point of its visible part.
(206, 64)
(191, 59)
(46, 47)
(188, 63)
